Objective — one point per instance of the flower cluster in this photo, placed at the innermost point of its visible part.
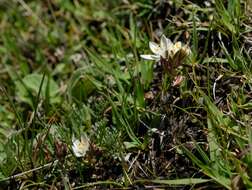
(171, 55)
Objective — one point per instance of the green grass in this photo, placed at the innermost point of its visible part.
(74, 67)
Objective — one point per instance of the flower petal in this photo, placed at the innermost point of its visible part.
(187, 50)
(165, 43)
(155, 48)
(75, 142)
(176, 47)
(76, 149)
(77, 153)
(151, 57)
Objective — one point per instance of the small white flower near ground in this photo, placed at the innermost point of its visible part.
(160, 51)
(166, 50)
(80, 147)
(170, 55)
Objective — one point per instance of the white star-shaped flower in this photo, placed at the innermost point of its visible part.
(166, 50)
(159, 50)
(80, 147)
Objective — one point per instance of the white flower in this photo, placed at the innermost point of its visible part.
(76, 57)
(80, 147)
(159, 50)
(166, 50)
